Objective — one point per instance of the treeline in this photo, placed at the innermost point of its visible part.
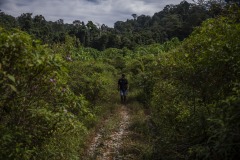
(173, 21)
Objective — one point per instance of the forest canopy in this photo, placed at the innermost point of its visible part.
(173, 21)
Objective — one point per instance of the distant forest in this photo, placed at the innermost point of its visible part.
(173, 21)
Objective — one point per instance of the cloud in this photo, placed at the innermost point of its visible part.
(94, 1)
(99, 11)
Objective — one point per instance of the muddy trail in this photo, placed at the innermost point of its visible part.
(107, 141)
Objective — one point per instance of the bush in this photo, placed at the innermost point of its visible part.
(41, 117)
(193, 101)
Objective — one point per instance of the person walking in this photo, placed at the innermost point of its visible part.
(123, 87)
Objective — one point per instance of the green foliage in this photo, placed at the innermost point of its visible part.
(196, 93)
(41, 118)
(141, 66)
(173, 21)
(138, 143)
(189, 89)
(93, 79)
(7, 21)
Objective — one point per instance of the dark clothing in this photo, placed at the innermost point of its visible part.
(123, 84)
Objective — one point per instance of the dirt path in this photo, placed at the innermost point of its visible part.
(107, 141)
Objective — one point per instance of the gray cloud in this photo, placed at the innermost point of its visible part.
(94, 1)
(99, 11)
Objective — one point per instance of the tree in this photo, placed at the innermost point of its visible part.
(233, 1)
(25, 21)
(7, 21)
(77, 23)
(134, 16)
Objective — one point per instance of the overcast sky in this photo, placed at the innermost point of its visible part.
(99, 11)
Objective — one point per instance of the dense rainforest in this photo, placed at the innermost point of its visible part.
(173, 21)
(58, 80)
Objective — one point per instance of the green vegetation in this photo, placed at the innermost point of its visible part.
(54, 90)
(172, 21)
(195, 106)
